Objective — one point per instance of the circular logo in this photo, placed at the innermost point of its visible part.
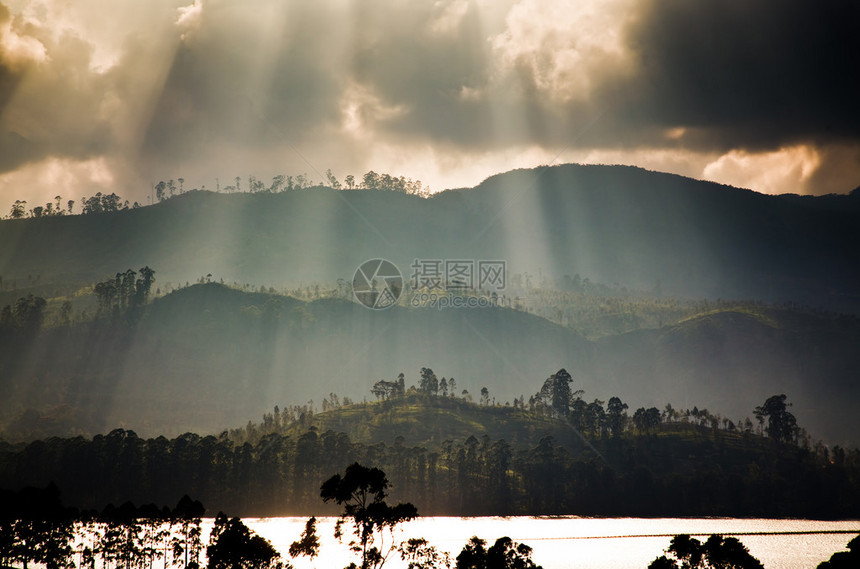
(377, 284)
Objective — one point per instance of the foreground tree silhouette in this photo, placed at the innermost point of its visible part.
(716, 553)
(504, 554)
(362, 492)
(187, 516)
(233, 546)
(308, 544)
(419, 554)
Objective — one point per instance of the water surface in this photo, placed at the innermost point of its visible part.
(590, 543)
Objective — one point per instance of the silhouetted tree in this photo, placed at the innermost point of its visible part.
(616, 416)
(362, 492)
(716, 553)
(594, 418)
(188, 544)
(19, 209)
(27, 314)
(556, 393)
(421, 555)
(308, 544)
(428, 383)
(233, 546)
(646, 420)
(781, 425)
(504, 554)
(143, 286)
(385, 389)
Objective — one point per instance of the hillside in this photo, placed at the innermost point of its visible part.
(208, 356)
(464, 467)
(611, 224)
(416, 420)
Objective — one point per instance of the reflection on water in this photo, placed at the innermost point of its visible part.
(586, 543)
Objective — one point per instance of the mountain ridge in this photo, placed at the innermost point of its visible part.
(612, 224)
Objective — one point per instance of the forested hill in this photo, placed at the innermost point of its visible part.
(488, 460)
(611, 224)
(209, 356)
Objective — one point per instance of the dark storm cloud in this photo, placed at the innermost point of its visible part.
(427, 74)
(14, 148)
(755, 74)
(242, 84)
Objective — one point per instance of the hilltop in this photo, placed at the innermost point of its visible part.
(416, 420)
(612, 224)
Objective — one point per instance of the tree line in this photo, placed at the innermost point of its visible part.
(36, 527)
(124, 291)
(695, 471)
(99, 203)
(119, 295)
(556, 399)
(164, 190)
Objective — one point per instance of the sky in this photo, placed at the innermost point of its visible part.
(115, 95)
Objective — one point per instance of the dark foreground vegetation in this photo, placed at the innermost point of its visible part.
(36, 527)
(555, 454)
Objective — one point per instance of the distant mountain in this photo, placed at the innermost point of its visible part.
(208, 357)
(611, 224)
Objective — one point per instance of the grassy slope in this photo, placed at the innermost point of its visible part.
(672, 449)
(429, 421)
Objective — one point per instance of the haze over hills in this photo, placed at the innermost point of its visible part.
(207, 357)
(611, 224)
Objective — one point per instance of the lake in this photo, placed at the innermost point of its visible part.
(586, 543)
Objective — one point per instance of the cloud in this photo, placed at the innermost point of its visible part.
(767, 171)
(190, 16)
(68, 178)
(564, 49)
(757, 75)
(17, 50)
(81, 96)
(453, 88)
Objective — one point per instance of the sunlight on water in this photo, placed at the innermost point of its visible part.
(588, 543)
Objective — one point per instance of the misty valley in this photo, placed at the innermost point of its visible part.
(613, 343)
